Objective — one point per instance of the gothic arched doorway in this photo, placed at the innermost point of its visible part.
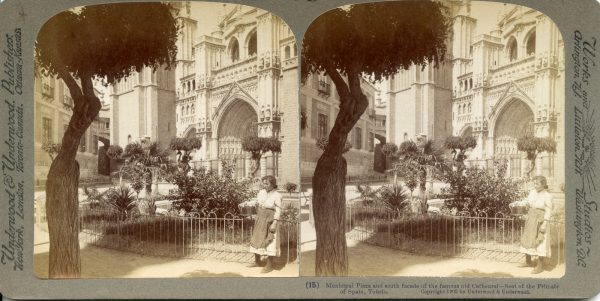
(238, 119)
(514, 121)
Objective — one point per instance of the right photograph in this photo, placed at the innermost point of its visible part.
(432, 141)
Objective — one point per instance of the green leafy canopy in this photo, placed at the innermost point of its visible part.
(185, 144)
(376, 38)
(260, 145)
(108, 41)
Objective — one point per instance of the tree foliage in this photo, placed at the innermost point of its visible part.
(536, 145)
(184, 148)
(533, 146)
(390, 150)
(258, 146)
(114, 152)
(459, 145)
(143, 162)
(376, 38)
(109, 40)
(52, 149)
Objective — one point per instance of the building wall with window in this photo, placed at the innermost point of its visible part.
(239, 80)
(53, 110)
(319, 103)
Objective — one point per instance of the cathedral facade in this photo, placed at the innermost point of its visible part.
(496, 86)
(241, 79)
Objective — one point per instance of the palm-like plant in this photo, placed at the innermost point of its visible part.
(394, 198)
(421, 155)
(147, 158)
(121, 200)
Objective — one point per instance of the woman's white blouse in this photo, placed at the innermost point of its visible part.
(269, 200)
(540, 200)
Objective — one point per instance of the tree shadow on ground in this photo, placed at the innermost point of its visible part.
(99, 262)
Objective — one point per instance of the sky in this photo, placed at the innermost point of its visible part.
(487, 15)
(208, 14)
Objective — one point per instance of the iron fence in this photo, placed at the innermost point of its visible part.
(461, 235)
(196, 236)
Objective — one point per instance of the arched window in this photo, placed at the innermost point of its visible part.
(469, 110)
(252, 44)
(234, 50)
(194, 84)
(531, 44)
(470, 83)
(511, 48)
(187, 110)
(182, 111)
(193, 109)
(287, 52)
(295, 50)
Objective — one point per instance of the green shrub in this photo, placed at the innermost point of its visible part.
(289, 213)
(206, 191)
(476, 191)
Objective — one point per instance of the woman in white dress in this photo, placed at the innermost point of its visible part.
(264, 240)
(535, 240)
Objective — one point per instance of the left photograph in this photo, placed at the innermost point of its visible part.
(166, 142)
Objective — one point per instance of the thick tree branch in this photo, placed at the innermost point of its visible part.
(71, 83)
(92, 100)
(338, 80)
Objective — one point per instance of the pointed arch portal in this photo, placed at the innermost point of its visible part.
(514, 121)
(238, 120)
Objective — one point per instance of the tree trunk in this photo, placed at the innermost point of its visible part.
(329, 203)
(531, 168)
(329, 180)
(62, 204)
(62, 207)
(422, 191)
(254, 167)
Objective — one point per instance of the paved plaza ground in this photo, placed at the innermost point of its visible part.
(106, 263)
